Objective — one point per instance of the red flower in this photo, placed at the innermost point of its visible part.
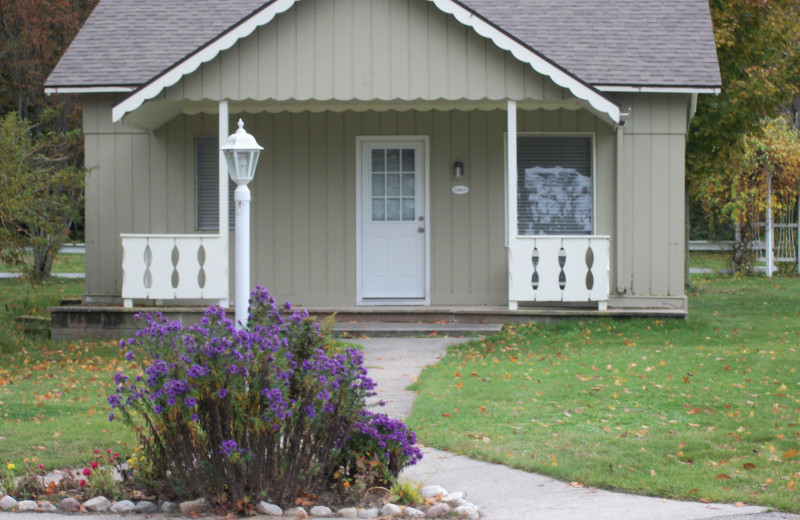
(41, 466)
(108, 450)
(116, 455)
(96, 450)
(94, 465)
(87, 471)
(82, 483)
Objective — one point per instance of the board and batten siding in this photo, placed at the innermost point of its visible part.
(348, 50)
(653, 233)
(304, 195)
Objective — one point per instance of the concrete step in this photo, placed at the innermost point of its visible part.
(413, 329)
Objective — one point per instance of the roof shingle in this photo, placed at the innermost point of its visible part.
(621, 42)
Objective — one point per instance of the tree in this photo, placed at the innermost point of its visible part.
(33, 36)
(758, 45)
(47, 194)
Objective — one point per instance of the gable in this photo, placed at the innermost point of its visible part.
(360, 51)
(328, 50)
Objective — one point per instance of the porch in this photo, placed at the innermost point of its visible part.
(113, 321)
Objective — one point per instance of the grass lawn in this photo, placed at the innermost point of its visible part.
(702, 409)
(717, 260)
(52, 394)
(62, 263)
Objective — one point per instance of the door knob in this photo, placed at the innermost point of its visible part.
(421, 229)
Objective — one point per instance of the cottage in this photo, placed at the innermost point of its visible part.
(416, 152)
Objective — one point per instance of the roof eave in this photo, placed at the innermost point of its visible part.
(88, 89)
(661, 89)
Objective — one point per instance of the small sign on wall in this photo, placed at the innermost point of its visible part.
(460, 190)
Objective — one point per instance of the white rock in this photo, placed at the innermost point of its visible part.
(413, 512)
(369, 513)
(123, 506)
(432, 491)
(390, 510)
(170, 507)
(7, 502)
(453, 497)
(265, 508)
(97, 504)
(192, 505)
(27, 505)
(467, 511)
(46, 506)
(297, 512)
(145, 506)
(347, 512)
(321, 511)
(438, 510)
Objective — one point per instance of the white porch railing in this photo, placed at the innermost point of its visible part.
(558, 269)
(171, 267)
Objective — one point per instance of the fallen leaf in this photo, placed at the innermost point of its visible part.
(790, 454)
(738, 504)
(749, 465)
(445, 414)
(723, 476)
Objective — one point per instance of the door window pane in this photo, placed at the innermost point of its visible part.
(393, 160)
(378, 160)
(378, 185)
(392, 209)
(378, 209)
(408, 160)
(393, 185)
(408, 209)
(408, 185)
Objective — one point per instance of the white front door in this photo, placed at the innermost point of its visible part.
(393, 220)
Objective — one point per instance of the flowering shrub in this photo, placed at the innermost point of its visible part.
(26, 483)
(258, 413)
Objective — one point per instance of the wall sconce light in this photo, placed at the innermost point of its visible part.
(458, 169)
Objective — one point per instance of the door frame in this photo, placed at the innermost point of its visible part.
(425, 140)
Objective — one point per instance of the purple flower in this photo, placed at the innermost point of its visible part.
(189, 402)
(222, 393)
(228, 447)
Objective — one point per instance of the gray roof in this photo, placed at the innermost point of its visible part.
(622, 42)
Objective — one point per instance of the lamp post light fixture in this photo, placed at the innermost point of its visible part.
(241, 153)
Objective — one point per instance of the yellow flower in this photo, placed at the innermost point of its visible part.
(11, 466)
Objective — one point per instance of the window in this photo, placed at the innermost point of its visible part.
(207, 184)
(554, 185)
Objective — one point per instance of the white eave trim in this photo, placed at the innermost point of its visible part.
(659, 90)
(85, 90)
(205, 54)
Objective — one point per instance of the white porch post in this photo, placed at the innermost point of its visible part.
(242, 213)
(223, 200)
(511, 183)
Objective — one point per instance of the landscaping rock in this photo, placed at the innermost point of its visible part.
(296, 512)
(467, 511)
(170, 507)
(265, 508)
(438, 510)
(348, 512)
(145, 506)
(391, 509)
(70, 504)
(123, 506)
(46, 507)
(413, 512)
(432, 491)
(97, 504)
(7, 502)
(455, 496)
(321, 511)
(369, 513)
(27, 505)
(192, 505)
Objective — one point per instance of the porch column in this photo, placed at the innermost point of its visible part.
(223, 201)
(511, 187)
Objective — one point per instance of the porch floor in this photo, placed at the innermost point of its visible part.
(116, 322)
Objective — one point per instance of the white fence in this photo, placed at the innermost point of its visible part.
(558, 269)
(171, 267)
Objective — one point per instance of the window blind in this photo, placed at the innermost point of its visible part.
(554, 185)
(207, 184)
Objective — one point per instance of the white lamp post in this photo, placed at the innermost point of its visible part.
(241, 153)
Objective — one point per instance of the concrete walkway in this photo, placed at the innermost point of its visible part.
(508, 494)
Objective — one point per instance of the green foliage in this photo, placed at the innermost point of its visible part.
(758, 45)
(44, 195)
(704, 408)
(406, 492)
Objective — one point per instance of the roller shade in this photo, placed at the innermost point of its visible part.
(554, 185)
(207, 184)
